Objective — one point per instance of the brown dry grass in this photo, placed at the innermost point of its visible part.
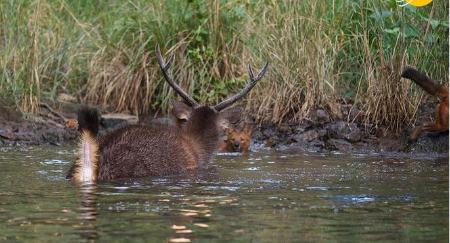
(320, 53)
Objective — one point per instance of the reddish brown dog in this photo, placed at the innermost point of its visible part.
(236, 138)
(433, 88)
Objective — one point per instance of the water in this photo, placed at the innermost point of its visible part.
(263, 197)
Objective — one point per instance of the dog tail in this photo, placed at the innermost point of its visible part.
(430, 86)
(85, 169)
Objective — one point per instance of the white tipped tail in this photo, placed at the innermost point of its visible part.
(87, 162)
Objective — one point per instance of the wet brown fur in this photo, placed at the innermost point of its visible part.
(140, 151)
(88, 151)
(433, 88)
(85, 168)
(236, 139)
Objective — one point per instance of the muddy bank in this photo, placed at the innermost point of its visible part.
(48, 127)
(345, 137)
(321, 133)
(334, 131)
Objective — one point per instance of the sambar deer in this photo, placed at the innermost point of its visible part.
(140, 151)
(433, 88)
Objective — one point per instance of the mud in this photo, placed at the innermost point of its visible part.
(344, 137)
(342, 131)
(46, 128)
(326, 130)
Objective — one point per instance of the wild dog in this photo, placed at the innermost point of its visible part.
(433, 88)
(140, 151)
(236, 137)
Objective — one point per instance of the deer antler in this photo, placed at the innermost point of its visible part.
(253, 80)
(164, 67)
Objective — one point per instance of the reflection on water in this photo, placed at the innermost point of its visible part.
(88, 211)
(261, 197)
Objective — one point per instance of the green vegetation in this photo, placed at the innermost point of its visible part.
(320, 53)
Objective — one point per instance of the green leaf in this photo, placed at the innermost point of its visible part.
(395, 30)
(430, 38)
(411, 8)
(380, 15)
(349, 94)
(410, 31)
(434, 23)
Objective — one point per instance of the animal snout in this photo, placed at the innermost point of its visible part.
(237, 146)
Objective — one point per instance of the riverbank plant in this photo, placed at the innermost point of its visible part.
(320, 53)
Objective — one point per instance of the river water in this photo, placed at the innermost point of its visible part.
(262, 197)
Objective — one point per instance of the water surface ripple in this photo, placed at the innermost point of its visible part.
(262, 197)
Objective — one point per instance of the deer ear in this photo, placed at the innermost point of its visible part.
(181, 111)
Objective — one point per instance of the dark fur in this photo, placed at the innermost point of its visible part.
(71, 171)
(140, 151)
(430, 86)
(88, 119)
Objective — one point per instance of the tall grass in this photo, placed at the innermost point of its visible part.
(320, 53)
(302, 47)
(384, 40)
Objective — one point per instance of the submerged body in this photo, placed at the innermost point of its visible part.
(139, 151)
(165, 153)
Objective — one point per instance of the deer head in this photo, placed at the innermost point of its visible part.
(192, 116)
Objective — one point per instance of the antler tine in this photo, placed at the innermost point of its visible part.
(164, 67)
(253, 80)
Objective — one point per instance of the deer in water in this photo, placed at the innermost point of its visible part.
(139, 151)
(433, 88)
